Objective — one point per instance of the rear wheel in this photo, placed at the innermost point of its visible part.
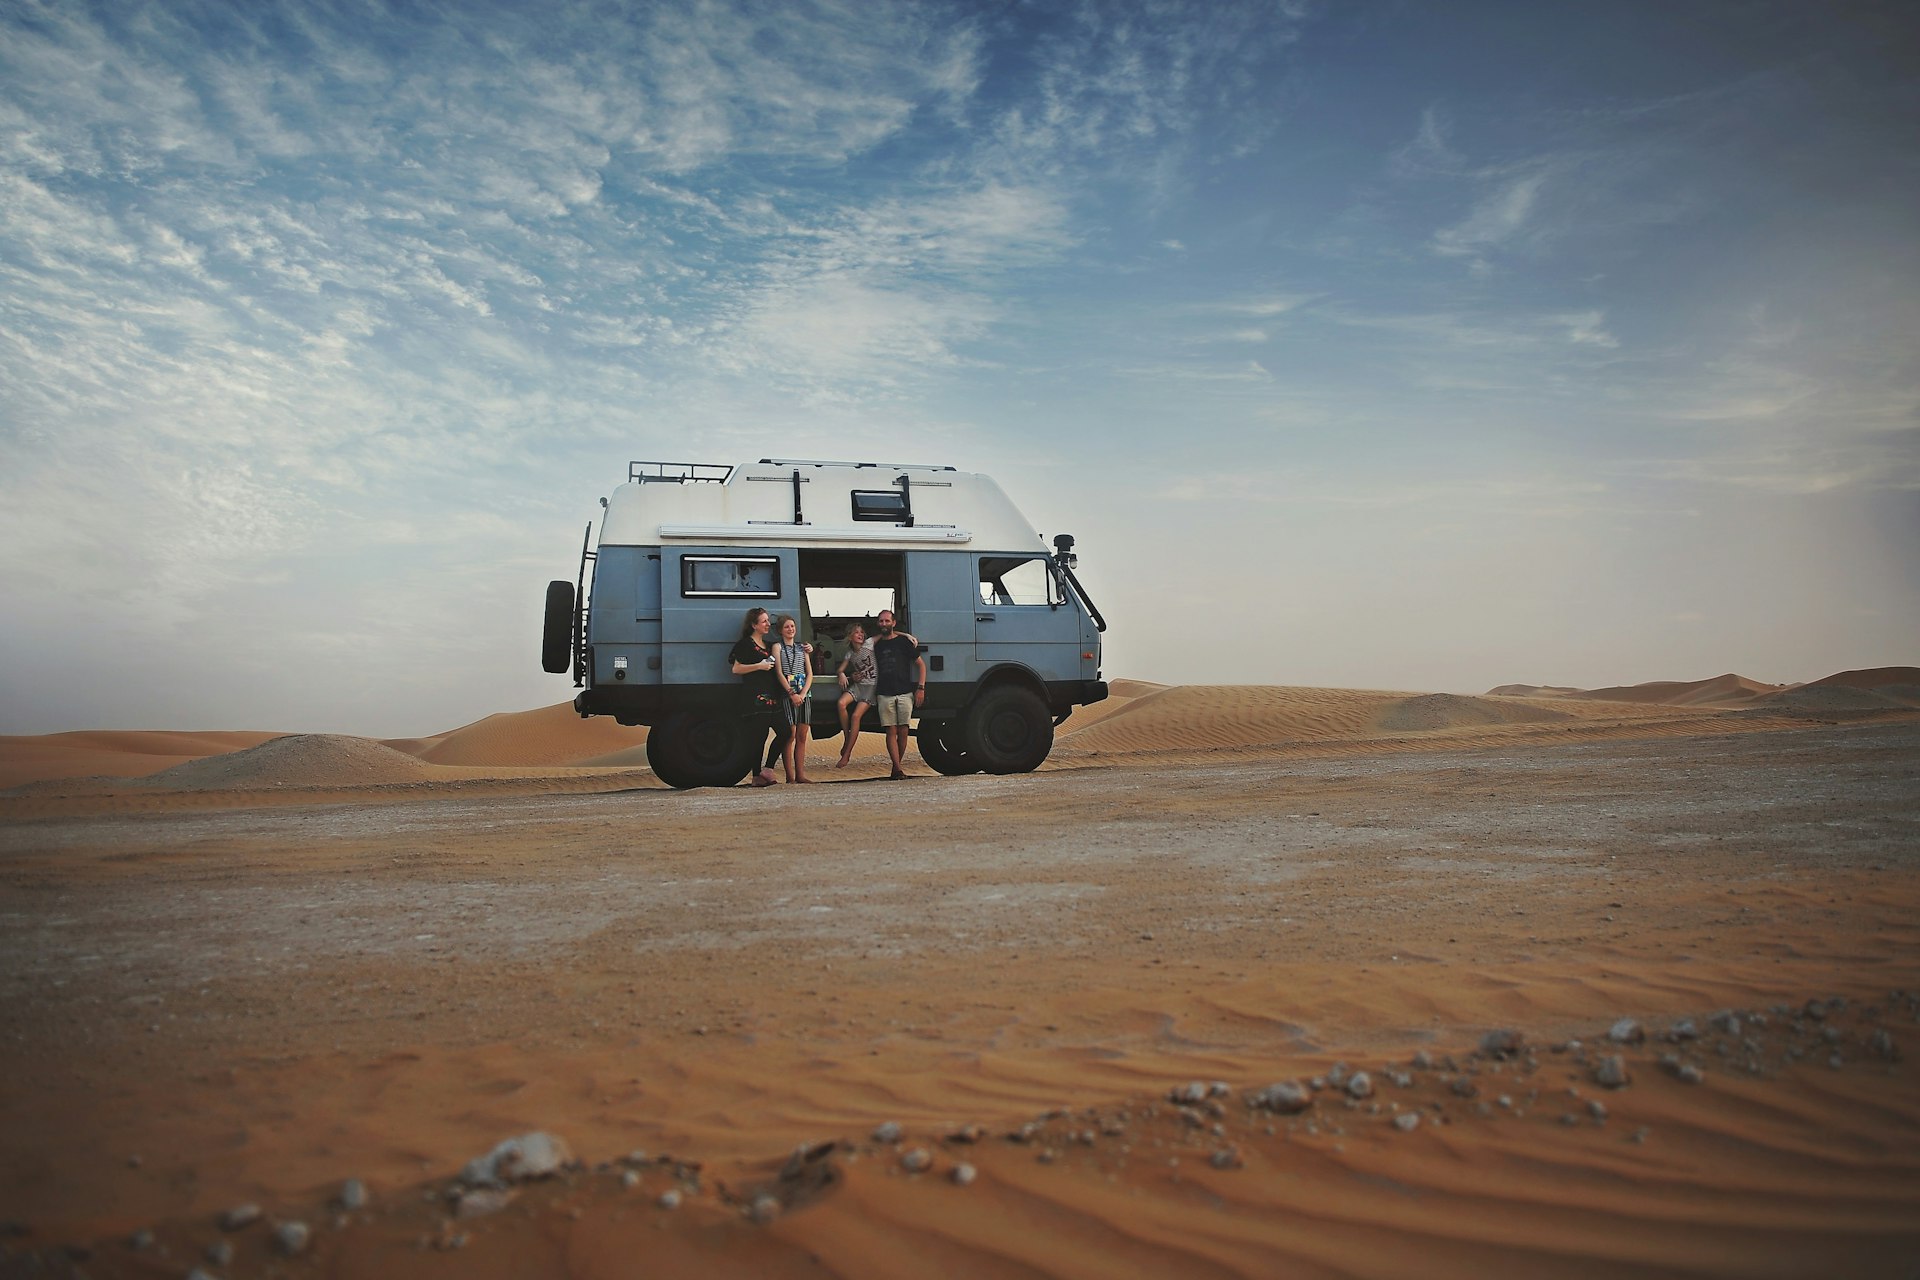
(1009, 730)
(556, 637)
(703, 750)
(942, 747)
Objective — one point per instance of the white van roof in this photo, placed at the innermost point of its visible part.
(801, 502)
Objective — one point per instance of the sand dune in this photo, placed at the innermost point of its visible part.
(1845, 697)
(546, 735)
(1243, 717)
(1874, 678)
(1725, 690)
(1451, 711)
(114, 753)
(1139, 716)
(300, 759)
(1202, 717)
(1870, 689)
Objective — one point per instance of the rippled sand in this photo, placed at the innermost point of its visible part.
(259, 987)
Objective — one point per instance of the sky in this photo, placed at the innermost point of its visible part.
(1372, 345)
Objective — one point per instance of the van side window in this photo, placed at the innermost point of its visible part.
(1014, 580)
(747, 577)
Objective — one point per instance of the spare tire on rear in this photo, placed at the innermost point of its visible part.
(556, 637)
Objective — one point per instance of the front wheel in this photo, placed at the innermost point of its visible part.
(706, 750)
(941, 746)
(1009, 730)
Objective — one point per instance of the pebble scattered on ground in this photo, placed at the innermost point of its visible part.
(1209, 1122)
(519, 1159)
(290, 1238)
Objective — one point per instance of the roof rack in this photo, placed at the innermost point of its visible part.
(678, 472)
(822, 462)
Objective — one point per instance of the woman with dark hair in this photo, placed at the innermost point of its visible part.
(753, 662)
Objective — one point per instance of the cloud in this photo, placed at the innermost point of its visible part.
(1428, 152)
(1498, 216)
(1519, 496)
(1261, 308)
(1587, 328)
(1125, 86)
(1245, 371)
(837, 335)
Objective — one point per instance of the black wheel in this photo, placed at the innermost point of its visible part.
(1008, 730)
(556, 637)
(940, 747)
(703, 750)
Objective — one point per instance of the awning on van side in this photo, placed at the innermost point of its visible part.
(776, 531)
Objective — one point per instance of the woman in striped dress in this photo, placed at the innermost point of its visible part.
(796, 682)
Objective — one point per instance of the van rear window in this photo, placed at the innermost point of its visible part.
(747, 577)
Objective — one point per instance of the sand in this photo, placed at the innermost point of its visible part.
(312, 957)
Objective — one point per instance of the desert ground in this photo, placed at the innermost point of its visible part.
(1245, 981)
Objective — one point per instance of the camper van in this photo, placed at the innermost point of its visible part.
(1010, 638)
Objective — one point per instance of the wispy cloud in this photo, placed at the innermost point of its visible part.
(1499, 216)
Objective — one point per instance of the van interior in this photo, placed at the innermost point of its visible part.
(840, 588)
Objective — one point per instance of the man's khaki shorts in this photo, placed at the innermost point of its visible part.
(895, 709)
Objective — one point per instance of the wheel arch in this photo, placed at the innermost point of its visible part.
(1013, 673)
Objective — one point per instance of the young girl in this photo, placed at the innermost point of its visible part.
(796, 682)
(856, 678)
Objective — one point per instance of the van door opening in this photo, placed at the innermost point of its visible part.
(840, 588)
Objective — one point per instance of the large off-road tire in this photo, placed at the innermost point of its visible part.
(1008, 730)
(941, 747)
(704, 749)
(556, 637)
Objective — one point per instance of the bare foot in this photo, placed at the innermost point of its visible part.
(842, 762)
(895, 774)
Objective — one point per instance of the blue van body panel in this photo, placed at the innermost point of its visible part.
(938, 611)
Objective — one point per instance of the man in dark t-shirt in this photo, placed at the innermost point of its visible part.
(900, 686)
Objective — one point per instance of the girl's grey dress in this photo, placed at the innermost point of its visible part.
(793, 669)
